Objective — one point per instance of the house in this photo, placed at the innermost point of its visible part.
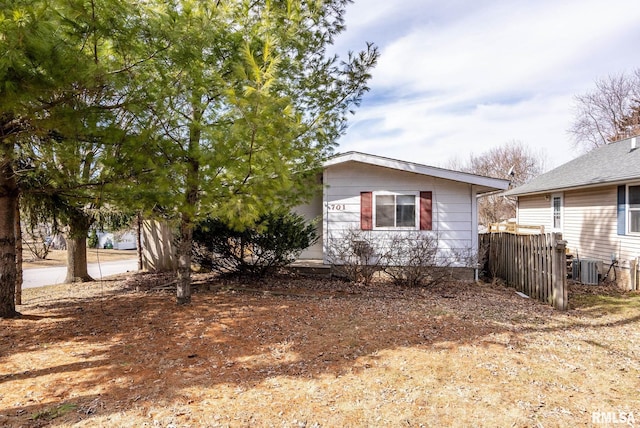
(382, 196)
(122, 240)
(594, 200)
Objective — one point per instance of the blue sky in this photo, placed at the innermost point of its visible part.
(459, 77)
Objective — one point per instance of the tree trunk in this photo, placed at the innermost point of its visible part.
(183, 292)
(139, 226)
(77, 250)
(19, 277)
(8, 207)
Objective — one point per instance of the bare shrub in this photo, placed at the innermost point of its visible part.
(494, 262)
(413, 259)
(485, 264)
(417, 259)
(38, 240)
(357, 254)
(409, 258)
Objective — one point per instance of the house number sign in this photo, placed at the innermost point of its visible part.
(337, 207)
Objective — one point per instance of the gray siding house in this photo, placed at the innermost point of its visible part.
(594, 200)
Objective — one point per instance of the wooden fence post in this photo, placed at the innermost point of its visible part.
(559, 273)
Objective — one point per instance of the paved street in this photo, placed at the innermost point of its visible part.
(39, 277)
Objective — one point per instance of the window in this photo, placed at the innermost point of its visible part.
(395, 211)
(386, 210)
(634, 208)
(556, 208)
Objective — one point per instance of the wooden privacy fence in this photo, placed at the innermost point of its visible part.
(533, 264)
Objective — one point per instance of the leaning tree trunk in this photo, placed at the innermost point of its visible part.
(77, 250)
(8, 206)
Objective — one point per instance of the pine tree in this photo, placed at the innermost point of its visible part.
(238, 104)
(33, 66)
(246, 105)
(87, 149)
(63, 73)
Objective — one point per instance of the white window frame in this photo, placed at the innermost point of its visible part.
(416, 196)
(555, 196)
(628, 209)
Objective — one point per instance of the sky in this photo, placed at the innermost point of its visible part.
(456, 78)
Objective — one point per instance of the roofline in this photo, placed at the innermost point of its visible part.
(416, 168)
(571, 188)
(596, 168)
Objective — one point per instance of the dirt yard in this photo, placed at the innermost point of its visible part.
(317, 353)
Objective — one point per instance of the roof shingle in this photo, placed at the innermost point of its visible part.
(614, 163)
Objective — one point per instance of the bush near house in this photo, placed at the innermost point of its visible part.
(413, 259)
(276, 240)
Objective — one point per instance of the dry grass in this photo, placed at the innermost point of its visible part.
(59, 257)
(303, 353)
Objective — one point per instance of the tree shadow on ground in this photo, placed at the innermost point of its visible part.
(127, 347)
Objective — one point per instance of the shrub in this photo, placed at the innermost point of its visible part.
(414, 259)
(108, 244)
(276, 240)
(37, 239)
(417, 259)
(356, 255)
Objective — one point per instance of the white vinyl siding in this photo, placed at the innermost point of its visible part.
(453, 219)
(535, 211)
(313, 212)
(589, 223)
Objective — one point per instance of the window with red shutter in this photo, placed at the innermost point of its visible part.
(386, 210)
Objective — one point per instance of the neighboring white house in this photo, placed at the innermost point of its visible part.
(124, 240)
(382, 195)
(594, 200)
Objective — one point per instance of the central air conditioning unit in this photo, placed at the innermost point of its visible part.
(589, 271)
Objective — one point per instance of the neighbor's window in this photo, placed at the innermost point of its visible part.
(556, 205)
(634, 209)
(395, 211)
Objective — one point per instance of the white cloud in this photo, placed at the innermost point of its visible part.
(455, 78)
(416, 132)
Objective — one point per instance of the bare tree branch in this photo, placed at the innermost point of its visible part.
(610, 112)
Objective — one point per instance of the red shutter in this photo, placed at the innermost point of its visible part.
(366, 211)
(426, 211)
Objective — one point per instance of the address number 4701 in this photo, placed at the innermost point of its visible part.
(337, 207)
